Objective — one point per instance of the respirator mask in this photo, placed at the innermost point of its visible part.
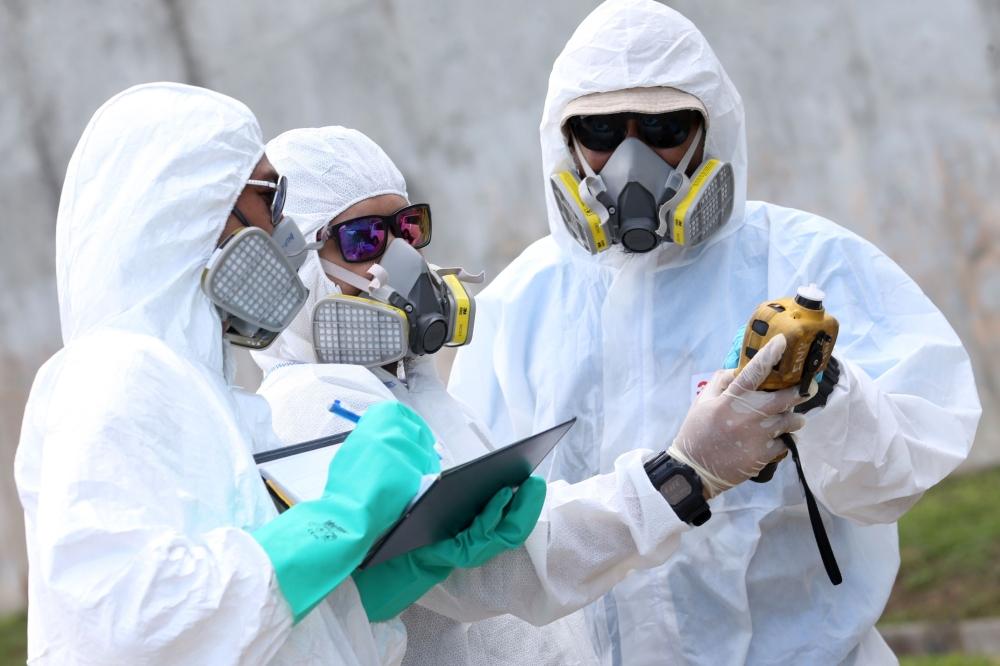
(407, 308)
(252, 277)
(638, 200)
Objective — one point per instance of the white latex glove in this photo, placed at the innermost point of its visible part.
(730, 433)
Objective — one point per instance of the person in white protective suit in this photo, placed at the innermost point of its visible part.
(151, 538)
(621, 339)
(590, 535)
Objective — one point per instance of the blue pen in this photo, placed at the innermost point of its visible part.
(342, 411)
(337, 409)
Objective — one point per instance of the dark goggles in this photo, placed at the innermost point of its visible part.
(277, 196)
(365, 238)
(660, 130)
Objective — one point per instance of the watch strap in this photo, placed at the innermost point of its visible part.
(692, 509)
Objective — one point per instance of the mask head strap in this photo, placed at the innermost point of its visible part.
(241, 218)
(676, 183)
(591, 189)
(692, 149)
(584, 164)
(376, 287)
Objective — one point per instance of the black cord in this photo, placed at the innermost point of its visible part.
(819, 530)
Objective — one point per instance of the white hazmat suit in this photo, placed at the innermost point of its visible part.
(589, 535)
(622, 342)
(135, 463)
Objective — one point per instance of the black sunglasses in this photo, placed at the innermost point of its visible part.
(280, 191)
(365, 238)
(659, 130)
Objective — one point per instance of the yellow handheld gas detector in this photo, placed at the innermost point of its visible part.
(810, 332)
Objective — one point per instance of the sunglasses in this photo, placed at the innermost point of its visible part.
(364, 238)
(280, 191)
(659, 130)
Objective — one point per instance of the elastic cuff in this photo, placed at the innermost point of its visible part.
(712, 483)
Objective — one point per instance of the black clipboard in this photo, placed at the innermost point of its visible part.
(462, 492)
(452, 502)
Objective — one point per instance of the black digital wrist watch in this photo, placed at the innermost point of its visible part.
(680, 486)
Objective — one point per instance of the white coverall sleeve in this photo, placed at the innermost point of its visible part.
(138, 560)
(905, 410)
(590, 536)
(473, 379)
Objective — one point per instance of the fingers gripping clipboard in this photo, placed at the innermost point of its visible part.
(446, 508)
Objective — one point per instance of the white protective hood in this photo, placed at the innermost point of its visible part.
(146, 196)
(135, 465)
(639, 44)
(623, 342)
(329, 169)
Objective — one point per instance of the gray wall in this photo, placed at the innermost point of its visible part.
(881, 116)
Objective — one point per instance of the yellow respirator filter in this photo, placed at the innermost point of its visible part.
(706, 206)
(462, 312)
(582, 222)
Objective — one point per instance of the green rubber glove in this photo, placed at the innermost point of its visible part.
(389, 588)
(315, 545)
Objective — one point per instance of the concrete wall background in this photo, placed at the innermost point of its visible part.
(881, 116)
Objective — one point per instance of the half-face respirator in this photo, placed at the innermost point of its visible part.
(252, 277)
(639, 201)
(407, 308)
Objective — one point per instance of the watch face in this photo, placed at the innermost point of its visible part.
(676, 489)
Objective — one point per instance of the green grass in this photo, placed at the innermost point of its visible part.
(948, 660)
(950, 551)
(13, 639)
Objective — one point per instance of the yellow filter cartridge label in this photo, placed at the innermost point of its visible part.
(593, 221)
(462, 310)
